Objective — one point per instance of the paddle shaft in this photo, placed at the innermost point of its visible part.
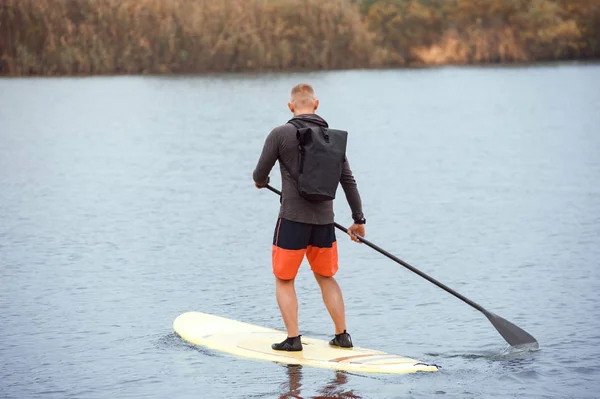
(514, 335)
(406, 265)
(415, 270)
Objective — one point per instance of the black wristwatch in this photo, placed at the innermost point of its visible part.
(362, 220)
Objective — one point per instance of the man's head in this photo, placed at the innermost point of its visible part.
(303, 100)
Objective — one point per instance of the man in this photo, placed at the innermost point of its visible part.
(305, 227)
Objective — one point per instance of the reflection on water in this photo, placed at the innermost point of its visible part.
(333, 389)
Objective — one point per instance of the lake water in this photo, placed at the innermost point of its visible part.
(126, 201)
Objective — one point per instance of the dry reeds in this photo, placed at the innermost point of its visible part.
(179, 36)
(72, 37)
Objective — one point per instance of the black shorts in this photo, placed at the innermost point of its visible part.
(293, 240)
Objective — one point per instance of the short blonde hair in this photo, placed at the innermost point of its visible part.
(303, 95)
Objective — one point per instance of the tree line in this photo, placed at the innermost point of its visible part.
(75, 37)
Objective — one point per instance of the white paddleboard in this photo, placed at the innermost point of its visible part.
(248, 340)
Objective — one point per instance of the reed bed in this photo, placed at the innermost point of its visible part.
(83, 37)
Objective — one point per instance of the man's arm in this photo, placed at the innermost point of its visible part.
(353, 197)
(267, 159)
(351, 190)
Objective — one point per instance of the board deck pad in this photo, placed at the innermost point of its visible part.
(252, 341)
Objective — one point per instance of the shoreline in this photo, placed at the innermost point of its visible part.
(289, 71)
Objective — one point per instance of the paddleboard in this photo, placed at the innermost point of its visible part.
(252, 341)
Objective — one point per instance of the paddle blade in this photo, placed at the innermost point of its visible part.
(515, 336)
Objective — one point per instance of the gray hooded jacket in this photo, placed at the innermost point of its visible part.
(281, 145)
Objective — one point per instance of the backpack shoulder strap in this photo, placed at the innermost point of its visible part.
(297, 123)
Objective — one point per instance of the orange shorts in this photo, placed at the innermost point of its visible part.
(293, 240)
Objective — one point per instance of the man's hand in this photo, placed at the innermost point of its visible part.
(264, 185)
(356, 229)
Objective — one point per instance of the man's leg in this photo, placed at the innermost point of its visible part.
(288, 305)
(323, 257)
(289, 247)
(334, 301)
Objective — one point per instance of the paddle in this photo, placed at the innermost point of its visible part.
(515, 336)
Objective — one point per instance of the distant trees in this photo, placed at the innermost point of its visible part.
(55, 37)
(482, 31)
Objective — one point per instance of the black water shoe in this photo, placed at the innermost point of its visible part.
(289, 344)
(342, 340)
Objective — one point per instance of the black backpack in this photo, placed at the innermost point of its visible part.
(321, 159)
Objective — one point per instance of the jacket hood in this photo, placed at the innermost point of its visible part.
(312, 118)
